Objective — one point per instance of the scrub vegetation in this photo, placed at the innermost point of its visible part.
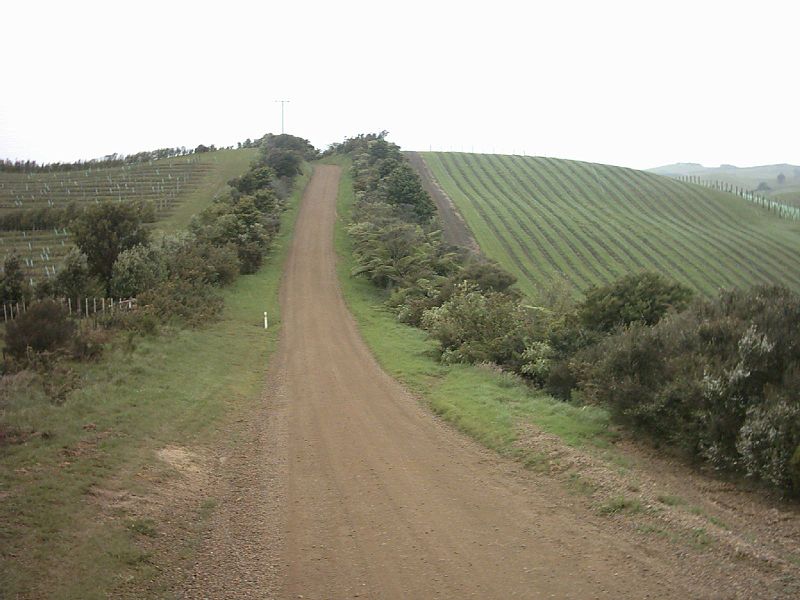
(713, 376)
(86, 409)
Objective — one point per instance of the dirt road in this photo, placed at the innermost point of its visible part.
(349, 488)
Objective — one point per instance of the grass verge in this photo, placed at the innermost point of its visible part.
(172, 390)
(489, 406)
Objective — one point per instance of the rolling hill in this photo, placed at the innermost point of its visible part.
(786, 190)
(546, 218)
(178, 187)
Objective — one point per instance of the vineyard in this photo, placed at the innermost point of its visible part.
(546, 219)
(172, 186)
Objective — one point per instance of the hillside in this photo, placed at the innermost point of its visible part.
(785, 190)
(178, 187)
(546, 218)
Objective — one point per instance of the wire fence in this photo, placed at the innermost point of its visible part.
(79, 308)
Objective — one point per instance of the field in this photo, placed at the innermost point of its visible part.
(547, 219)
(177, 187)
(748, 178)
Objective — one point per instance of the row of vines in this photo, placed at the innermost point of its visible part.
(589, 224)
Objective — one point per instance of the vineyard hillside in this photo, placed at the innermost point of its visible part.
(176, 187)
(780, 183)
(548, 219)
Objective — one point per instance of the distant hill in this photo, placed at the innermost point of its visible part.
(765, 178)
(588, 223)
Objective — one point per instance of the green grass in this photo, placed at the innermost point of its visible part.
(670, 500)
(488, 405)
(621, 504)
(546, 219)
(174, 389)
(226, 164)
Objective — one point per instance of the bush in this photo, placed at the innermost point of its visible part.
(44, 328)
(720, 380)
(88, 344)
(74, 280)
(768, 441)
(190, 302)
(103, 231)
(138, 269)
(474, 328)
(642, 298)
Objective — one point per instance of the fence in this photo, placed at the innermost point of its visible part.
(781, 210)
(80, 308)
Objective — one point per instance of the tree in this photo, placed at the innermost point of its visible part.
(73, 280)
(13, 288)
(285, 163)
(641, 298)
(781, 178)
(104, 231)
(403, 187)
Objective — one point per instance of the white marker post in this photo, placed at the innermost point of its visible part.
(266, 320)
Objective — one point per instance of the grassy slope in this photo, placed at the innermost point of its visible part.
(485, 404)
(223, 165)
(546, 218)
(173, 389)
(227, 165)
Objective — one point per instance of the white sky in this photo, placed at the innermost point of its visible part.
(632, 83)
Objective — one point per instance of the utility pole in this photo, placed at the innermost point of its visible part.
(283, 102)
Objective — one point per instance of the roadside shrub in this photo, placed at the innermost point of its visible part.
(560, 380)
(44, 328)
(768, 441)
(190, 302)
(794, 470)
(473, 328)
(719, 380)
(641, 298)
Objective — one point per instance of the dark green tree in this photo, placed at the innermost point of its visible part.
(640, 298)
(403, 187)
(13, 287)
(104, 231)
(285, 163)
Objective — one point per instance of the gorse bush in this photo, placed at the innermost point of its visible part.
(45, 327)
(640, 298)
(719, 379)
(476, 327)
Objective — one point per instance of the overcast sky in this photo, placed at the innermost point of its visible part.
(631, 83)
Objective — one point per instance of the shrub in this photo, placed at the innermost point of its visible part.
(44, 328)
(74, 280)
(187, 301)
(769, 439)
(138, 269)
(720, 380)
(103, 231)
(285, 163)
(87, 344)
(642, 298)
(473, 328)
